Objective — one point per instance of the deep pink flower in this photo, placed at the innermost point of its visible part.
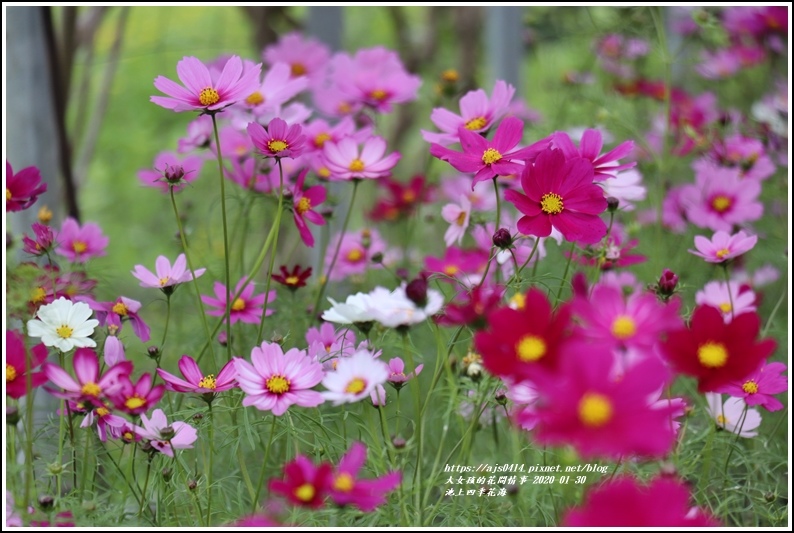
(723, 246)
(759, 387)
(105, 420)
(621, 502)
(473, 307)
(42, 244)
(397, 376)
(560, 193)
(116, 312)
(277, 380)
(247, 173)
(346, 161)
(366, 494)
(79, 244)
(355, 253)
(465, 266)
(403, 198)
(304, 483)
(138, 398)
(293, 279)
(196, 381)
(171, 171)
(89, 386)
(23, 188)
(16, 371)
(245, 308)
(478, 113)
(604, 166)
(488, 159)
(303, 204)
(200, 91)
(277, 140)
(166, 277)
(165, 437)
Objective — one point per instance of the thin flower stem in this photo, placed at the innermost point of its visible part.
(228, 312)
(209, 470)
(498, 204)
(264, 465)
(167, 319)
(565, 274)
(728, 286)
(338, 246)
(277, 225)
(517, 273)
(29, 428)
(86, 452)
(145, 485)
(773, 313)
(738, 434)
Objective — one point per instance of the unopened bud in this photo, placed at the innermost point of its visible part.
(668, 469)
(46, 502)
(377, 258)
(277, 338)
(192, 484)
(89, 505)
(502, 239)
(770, 497)
(612, 204)
(512, 490)
(501, 397)
(174, 174)
(402, 273)
(416, 291)
(198, 416)
(55, 469)
(667, 282)
(167, 433)
(153, 352)
(222, 339)
(398, 443)
(12, 415)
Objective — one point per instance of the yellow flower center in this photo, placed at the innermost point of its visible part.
(726, 307)
(238, 305)
(134, 402)
(79, 247)
(721, 203)
(461, 218)
(209, 96)
(355, 386)
(277, 384)
(551, 203)
(91, 389)
(530, 348)
(344, 108)
(409, 196)
(292, 280)
(120, 309)
(518, 301)
(102, 411)
(304, 204)
(595, 409)
(163, 281)
(305, 492)
(476, 123)
(324, 172)
(722, 253)
(721, 420)
(623, 327)
(277, 146)
(355, 255)
(750, 387)
(127, 435)
(45, 214)
(11, 373)
(64, 331)
(320, 139)
(255, 99)
(357, 165)
(378, 94)
(344, 482)
(491, 156)
(712, 355)
(451, 270)
(37, 295)
(8, 194)
(207, 382)
(450, 75)
(297, 69)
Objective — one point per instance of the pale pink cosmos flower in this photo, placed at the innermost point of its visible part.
(166, 275)
(720, 198)
(199, 135)
(305, 56)
(482, 197)
(397, 375)
(730, 304)
(163, 437)
(203, 93)
(89, 385)
(80, 243)
(458, 218)
(627, 187)
(318, 132)
(303, 204)
(723, 246)
(171, 171)
(275, 380)
(277, 140)
(355, 253)
(673, 209)
(759, 387)
(478, 113)
(196, 381)
(355, 378)
(346, 160)
(276, 89)
(734, 415)
(245, 308)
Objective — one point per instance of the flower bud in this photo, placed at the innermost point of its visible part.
(501, 397)
(167, 473)
(770, 497)
(174, 175)
(55, 469)
(502, 239)
(192, 484)
(153, 352)
(46, 502)
(667, 282)
(377, 258)
(416, 291)
(167, 433)
(12, 415)
(612, 204)
(398, 443)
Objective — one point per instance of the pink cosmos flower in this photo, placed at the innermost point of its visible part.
(366, 494)
(733, 415)
(199, 135)
(458, 218)
(89, 386)
(318, 132)
(355, 378)
(235, 144)
(166, 438)
(79, 244)
(165, 275)
(114, 313)
(16, 371)
(303, 204)
(720, 198)
(196, 381)
(718, 294)
(621, 502)
(604, 166)
(745, 153)
(203, 93)
(106, 422)
(759, 386)
(277, 140)
(277, 380)
(673, 209)
(171, 171)
(246, 308)
(137, 398)
(43, 243)
(723, 246)
(488, 159)
(397, 376)
(465, 266)
(303, 483)
(276, 89)
(473, 308)
(478, 113)
(305, 56)
(23, 188)
(346, 161)
(482, 197)
(560, 193)
(355, 253)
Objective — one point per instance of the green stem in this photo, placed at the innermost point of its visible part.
(565, 274)
(728, 287)
(29, 428)
(264, 465)
(277, 224)
(167, 320)
(86, 452)
(773, 313)
(145, 484)
(517, 273)
(228, 312)
(212, 454)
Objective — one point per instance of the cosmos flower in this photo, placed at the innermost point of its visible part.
(303, 204)
(734, 415)
(723, 246)
(166, 275)
(277, 139)
(758, 387)
(89, 386)
(347, 161)
(171, 171)
(80, 243)
(366, 494)
(16, 368)
(293, 279)
(166, 438)
(355, 378)
(23, 188)
(304, 483)
(604, 166)
(245, 308)
(64, 324)
(196, 381)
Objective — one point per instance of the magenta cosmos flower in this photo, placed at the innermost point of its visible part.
(366, 494)
(16, 373)
(245, 308)
(23, 188)
(759, 386)
(478, 113)
(721, 199)
(604, 166)
(346, 161)
(488, 159)
(303, 204)
(165, 275)
(560, 193)
(115, 312)
(79, 244)
(137, 398)
(165, 437)
(723, 246)
(355, 253)
(304, 483)
(277, 380)
(171, 171)
(621, 502)
(200, 91)
(277, 140)
(196, 381)
(45, 238)
(89, 386)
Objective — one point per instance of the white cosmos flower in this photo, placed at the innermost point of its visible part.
(733, 415)
(64, 324)
(358, 307)
(355, 378)
(395, 309)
